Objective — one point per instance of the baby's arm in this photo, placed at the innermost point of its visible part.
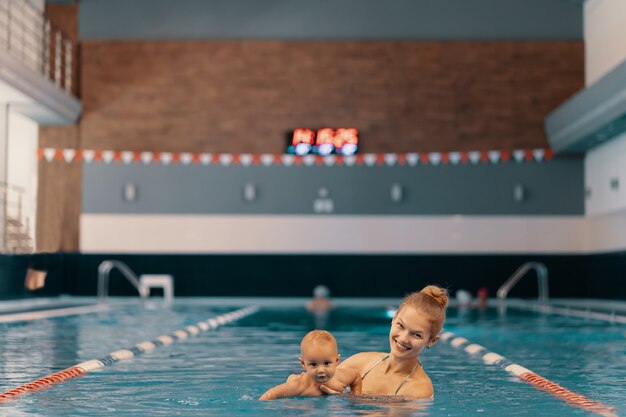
(291, 388)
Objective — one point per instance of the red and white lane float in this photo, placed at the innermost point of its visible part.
(126, 354)
(537, 381)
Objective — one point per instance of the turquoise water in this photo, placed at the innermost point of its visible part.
(223, 372)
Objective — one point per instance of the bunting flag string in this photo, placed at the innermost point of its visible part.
(412, 159)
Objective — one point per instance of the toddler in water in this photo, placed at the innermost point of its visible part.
(319, 358)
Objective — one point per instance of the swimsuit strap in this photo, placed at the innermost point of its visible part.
(374, 366)
(406, 378)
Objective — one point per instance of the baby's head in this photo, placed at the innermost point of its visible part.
(319, 355)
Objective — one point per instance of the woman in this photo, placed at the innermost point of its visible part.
(415, 326)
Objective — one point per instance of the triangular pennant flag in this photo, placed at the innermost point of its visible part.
(494, 156)
(330, 160)
(474, 157)
(454, 157)
(127, 157)
(539, 154)
(49, 153)
(505, 156)
(434, 158)
(267, 159)
(245, 159)
(68, 155)
(349, 160)
(186, 158)
(391, 159)
(88, 155)
(309, 160)
(369, 159)
(206, 158)
(226, 159)
(518, 155)
(108, 156)
(287, 160)
(166, 158)
(146, 157)
(413, 159)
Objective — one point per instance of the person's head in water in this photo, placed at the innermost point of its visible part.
(321, 291)
(418, 321)
(319, 355)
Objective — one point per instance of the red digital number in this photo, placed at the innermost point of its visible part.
(306, 136)
(325, 136)
(346, 136)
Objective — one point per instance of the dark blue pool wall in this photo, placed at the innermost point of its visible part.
(596, 276)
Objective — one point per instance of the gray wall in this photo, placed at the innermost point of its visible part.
(552, 188)
(330, 19)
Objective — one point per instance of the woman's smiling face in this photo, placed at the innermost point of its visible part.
(410, 332)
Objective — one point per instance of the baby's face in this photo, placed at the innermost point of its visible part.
(320, 361)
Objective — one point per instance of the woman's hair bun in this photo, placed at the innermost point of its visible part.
(440, 295)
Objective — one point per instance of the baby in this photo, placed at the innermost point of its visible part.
(319, 358)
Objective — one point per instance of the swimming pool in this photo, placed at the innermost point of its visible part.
(223, 372)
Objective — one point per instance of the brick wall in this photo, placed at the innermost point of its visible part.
(242, 96)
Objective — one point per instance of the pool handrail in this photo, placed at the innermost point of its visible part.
(105, 268)
(542, 281)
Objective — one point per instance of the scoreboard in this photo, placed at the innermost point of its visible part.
(325, 141)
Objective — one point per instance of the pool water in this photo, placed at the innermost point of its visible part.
(223, 372)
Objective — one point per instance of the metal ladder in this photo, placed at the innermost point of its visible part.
(105, 268)
(542, 281)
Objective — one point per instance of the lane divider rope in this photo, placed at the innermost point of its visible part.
(126, 354)
(536, 380)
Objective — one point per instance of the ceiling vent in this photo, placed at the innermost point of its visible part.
(592, 117)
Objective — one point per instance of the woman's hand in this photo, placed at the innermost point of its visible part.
(329, 391)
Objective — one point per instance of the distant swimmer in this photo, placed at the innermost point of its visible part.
(320, 301)
(319, 358)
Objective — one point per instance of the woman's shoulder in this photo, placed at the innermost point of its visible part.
(358, 360)
(419, 386)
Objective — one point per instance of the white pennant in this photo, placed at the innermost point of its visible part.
(454, 158)
(108, 156)
(226, 159)
(494, 156)
(267, 159)
(186, 158)
(166, 158)
(539, 154)
(205, 158)
(391, 159)
(146, 157)
(309, 160)
(349, 160)
(127, 157)
(519, 155)
(245, 159)
(369, 159)
(434, 158)
(68, 155)
(330, 160)
(474, 157)
(49, 153)
(88, 155)
(287, 159)
(413, 159)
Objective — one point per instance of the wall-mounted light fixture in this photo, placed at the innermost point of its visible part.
(249, 192)
(396, 193)
(129, 193)
(519, 193)
(323, 204)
